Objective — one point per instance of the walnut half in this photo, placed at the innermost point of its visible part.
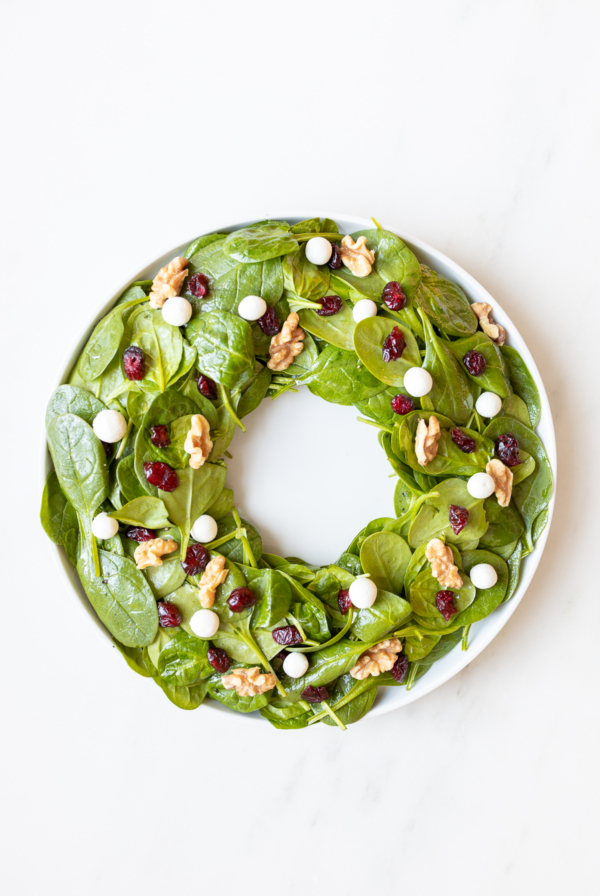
(426, 440)
(148, 553)
(198, 443)
(503, 481)
(285, 346)
(442, 564)
(483, 313)
(168, 282)
(213, 576)
(249, 682)
(356, 256)
(378, 659)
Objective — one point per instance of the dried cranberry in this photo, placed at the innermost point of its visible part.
(329, 305)
(169, 616)
(240, 599)
(139, 534)
(464, 442)
(474, 362)
(198, 285)
(400, 668)
(508, 449)
(444, 603)
(281, 655)
(159, 436)
(196, 558)
(207, 387)
(315, 695)
(335, 261)
(108, 448)
(393, 296)
(161, 475)
(458, 517)
(401, 404)
(394, 345)
(134, 363)
(218, 659)
(344, 602)
(286, 635)
(269, 322)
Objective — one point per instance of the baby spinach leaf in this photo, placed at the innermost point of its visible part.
(305, 359)
(231, 639)
(516, 407)
(298, 571)
(432, 519)
(166, 578)
(303, 278)
(222, 505)
(351, 563)
(201, 242)
(104, 342)
(57, 515)
(188, 359)
(283, 714)
(234, 548)
(514, 567)
(259, 242)
(423, 592)
(79, 461)
(338, 377)
(386, 614)
(197, 490)
(374, 526)
(385, 557)
(134, 658)
(337, 330)
(164, 410)
(369, 337)
(129, 484)
(523, 383)
(443, 647)
(232, 699)
(495, 377)
(416, 648)
(445, 303)
(487, 599)
(224, 345)
(358, 707)
(253, 392)
(184, 660)
(146, 511)
(449, 460)
(73, 400)
(505, 525)
(183, 697)
(326, 665)
(230, 281)
(379, 407)
(450, 393)
(161, 343)
(273, 595)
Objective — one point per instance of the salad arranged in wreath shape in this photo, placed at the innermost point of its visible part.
(138, 496)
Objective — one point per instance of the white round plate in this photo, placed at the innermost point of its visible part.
(481, 633)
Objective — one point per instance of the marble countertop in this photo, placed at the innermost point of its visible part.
(473, 126)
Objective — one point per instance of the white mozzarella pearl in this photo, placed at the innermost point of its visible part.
(205, 623)
(483, 575)
(110, 426)
(363, 309)
(252, 307)
(177, 311)
(295, 665)
(103, 526)
(480, 485)
(204, 529)
(362, 593)
(417, 381)
(488, 404)
(318, 250)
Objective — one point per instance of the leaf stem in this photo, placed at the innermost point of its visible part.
(331, 713)
(389, 429)
(302, 237)
(331, 641)
(412, 675)
(124, 439)
(465, 637)
(297, 302)
(250, 641)
(223, 540)
(224, 393)
(96, 556)
(244, 539)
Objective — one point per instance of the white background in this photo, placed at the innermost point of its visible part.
(129, 127)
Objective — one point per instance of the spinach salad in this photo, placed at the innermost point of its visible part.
(138, 497)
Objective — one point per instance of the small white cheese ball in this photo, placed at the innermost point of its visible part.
(252, 307)
(488, 404)
(110, 426)
(177, 311)
(318, 250)
(363, 309)
(483, 575)
(295, 665)
(204, 529)
(480, 485)
(418, 381)
(103, 526)
(362, 593)
(205, 623)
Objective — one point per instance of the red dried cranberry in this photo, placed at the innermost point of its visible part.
(269, 322)
(196, 558)
(218, 659)
(159, 436)
(108, 448)
(464, 442)
(329, 305)
(344, 602)
(198, 285)
(134, 363)
(393, 296)
(458, 517)
(207, 387)
(139, 534)
(282, 655)
(169, 616)
(400, 668)
(444, 603)
(161, 475)
(335, 262)
(402, 404)
(240, 599)
(315, 695)
(474, 362)
(286, 635)
(508, 449)
(394, 345)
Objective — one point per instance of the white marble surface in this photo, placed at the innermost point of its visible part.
(128, 127)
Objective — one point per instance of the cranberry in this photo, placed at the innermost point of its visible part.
(464, 442)
(286, 635)
(108, 448)
(134, 363)
(344, 602)
(401, 404)
(335, 261)
(281, 655)
(459, 517)
(196, 558)
(207, 387)
(315, 695)
(474, 362)
(329, 305)
(218, 659)
(240, 599)
(161, 475)
(400, 668)
(508, 449)
(198, 285)
(169, 616)
(444, 603)
(269, 322)
(394, 345)
(159, 436)
(139, 534)
(393, 296)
